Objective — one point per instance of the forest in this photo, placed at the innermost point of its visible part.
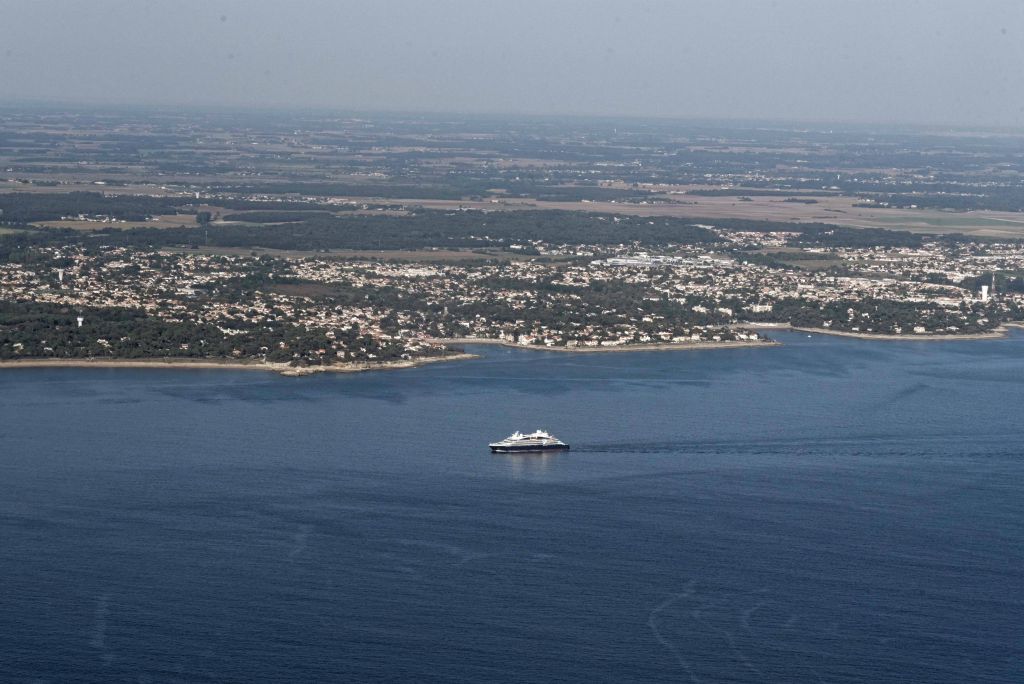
(38, 330)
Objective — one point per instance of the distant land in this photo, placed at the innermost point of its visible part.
(325, 241)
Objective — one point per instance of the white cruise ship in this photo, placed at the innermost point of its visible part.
(535, 441)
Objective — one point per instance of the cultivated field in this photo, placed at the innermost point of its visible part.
(837, 210)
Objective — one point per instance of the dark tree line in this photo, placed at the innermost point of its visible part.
(880, 315)
(38, 330)
(427, 229)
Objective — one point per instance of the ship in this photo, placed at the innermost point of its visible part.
(535, 441)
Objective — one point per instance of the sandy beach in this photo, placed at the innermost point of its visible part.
(997, 333)
(662, 346)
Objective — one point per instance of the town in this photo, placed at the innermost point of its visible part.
(125, 302)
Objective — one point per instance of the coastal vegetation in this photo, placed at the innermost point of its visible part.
(32, 330)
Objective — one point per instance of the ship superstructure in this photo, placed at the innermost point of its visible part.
(535, 441)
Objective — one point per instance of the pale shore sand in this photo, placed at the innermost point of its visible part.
(662, 346)
(215, 364)
(995, 334)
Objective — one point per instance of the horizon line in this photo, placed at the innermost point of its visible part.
(82, 106)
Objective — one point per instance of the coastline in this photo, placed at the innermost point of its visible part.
(646, 346)
(225, 364)
(286, 370)
(997, 333)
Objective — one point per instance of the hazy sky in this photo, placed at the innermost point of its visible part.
(906, 61)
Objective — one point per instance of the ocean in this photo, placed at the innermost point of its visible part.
(830, 510)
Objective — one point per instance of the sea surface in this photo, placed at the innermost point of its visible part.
(831, 510)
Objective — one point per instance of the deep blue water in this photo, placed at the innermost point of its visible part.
(831, 510)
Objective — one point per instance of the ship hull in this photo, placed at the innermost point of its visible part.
(528, 448)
